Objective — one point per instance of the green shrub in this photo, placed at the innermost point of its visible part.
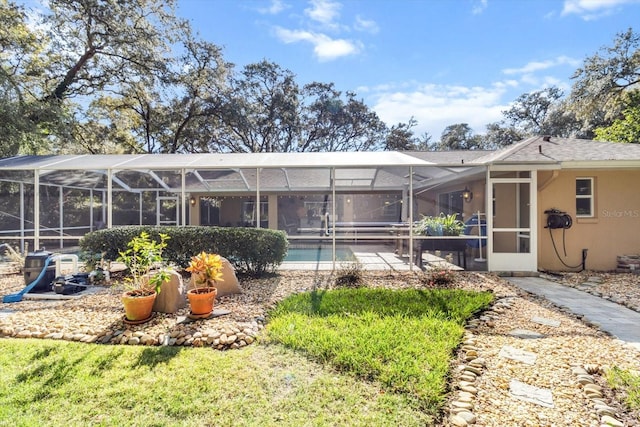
(250, 250)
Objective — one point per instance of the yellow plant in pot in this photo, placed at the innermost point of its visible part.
(206, 270)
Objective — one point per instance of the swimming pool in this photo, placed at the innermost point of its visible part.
(318, 254)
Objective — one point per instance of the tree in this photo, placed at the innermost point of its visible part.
(165, 113)
(331, 123)
(597, 94)
(264, 110)
(542, 112)
(626, 128)
(128, 76)
(530, 111)
(95, 137)
(84, 50)
(18, 83)
(423, 142)
(401, 138)
(259, 111)
(198, 82)
(127, 120)
(158, 107)
(172, 108)
(459, 137)
(95, 45)
(498, 135)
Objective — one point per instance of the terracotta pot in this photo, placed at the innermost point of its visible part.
(202, 299)
(138, 307)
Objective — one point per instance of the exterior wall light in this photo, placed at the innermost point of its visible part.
(192, 201)
(467, 195)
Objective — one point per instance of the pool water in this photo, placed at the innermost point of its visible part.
(318, 254)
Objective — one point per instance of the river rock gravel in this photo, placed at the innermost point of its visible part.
(523, 362)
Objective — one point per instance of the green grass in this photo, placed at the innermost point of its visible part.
(378, 358)
(403, 339)
(71, 384)
(629, 383)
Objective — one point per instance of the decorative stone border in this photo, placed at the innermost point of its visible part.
(229, 335)
(462, 405)
(585, 380)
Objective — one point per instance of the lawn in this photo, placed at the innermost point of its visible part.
(355, 357)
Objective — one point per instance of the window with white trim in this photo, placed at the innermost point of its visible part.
(584, 197)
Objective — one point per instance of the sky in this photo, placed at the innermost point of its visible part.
(441, 62)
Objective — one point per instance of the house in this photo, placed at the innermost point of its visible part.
(593, 183)
(543, 203)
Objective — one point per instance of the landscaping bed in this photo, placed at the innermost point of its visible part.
(98, 316)
(479, 388)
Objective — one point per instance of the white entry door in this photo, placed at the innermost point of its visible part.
(511, 221)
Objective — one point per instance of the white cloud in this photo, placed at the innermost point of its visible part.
(275, 7)
(542, 65)
(437, 106)
(323, 11)
(536, 83)
(593, 9)
(324, 47)
(323, 17)
(479, 7)
(366, 25)
(531, 74)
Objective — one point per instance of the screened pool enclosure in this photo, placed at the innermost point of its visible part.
(362, 201)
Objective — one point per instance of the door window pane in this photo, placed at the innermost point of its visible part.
(511, 205)
(511, 242)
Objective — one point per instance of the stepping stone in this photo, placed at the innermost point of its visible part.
(532, 394)
(517, 354)
(545, 321)
(525, 334)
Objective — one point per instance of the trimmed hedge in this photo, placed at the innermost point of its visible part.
(250, 250)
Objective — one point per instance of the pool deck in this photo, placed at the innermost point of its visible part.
(372, 258)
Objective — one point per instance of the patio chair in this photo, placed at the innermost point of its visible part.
(290, 226)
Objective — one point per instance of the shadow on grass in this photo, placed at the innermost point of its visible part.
(105, 363)
(316, 301)
(43, 353)
(151, 357)
(50, 373)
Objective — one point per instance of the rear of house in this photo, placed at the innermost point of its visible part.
(541, 204)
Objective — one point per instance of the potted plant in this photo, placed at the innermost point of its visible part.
(441, 225)
(147, 268)
(206, 270)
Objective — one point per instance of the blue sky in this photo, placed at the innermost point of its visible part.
(439, 61)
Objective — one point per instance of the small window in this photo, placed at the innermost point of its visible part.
(584, 197)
